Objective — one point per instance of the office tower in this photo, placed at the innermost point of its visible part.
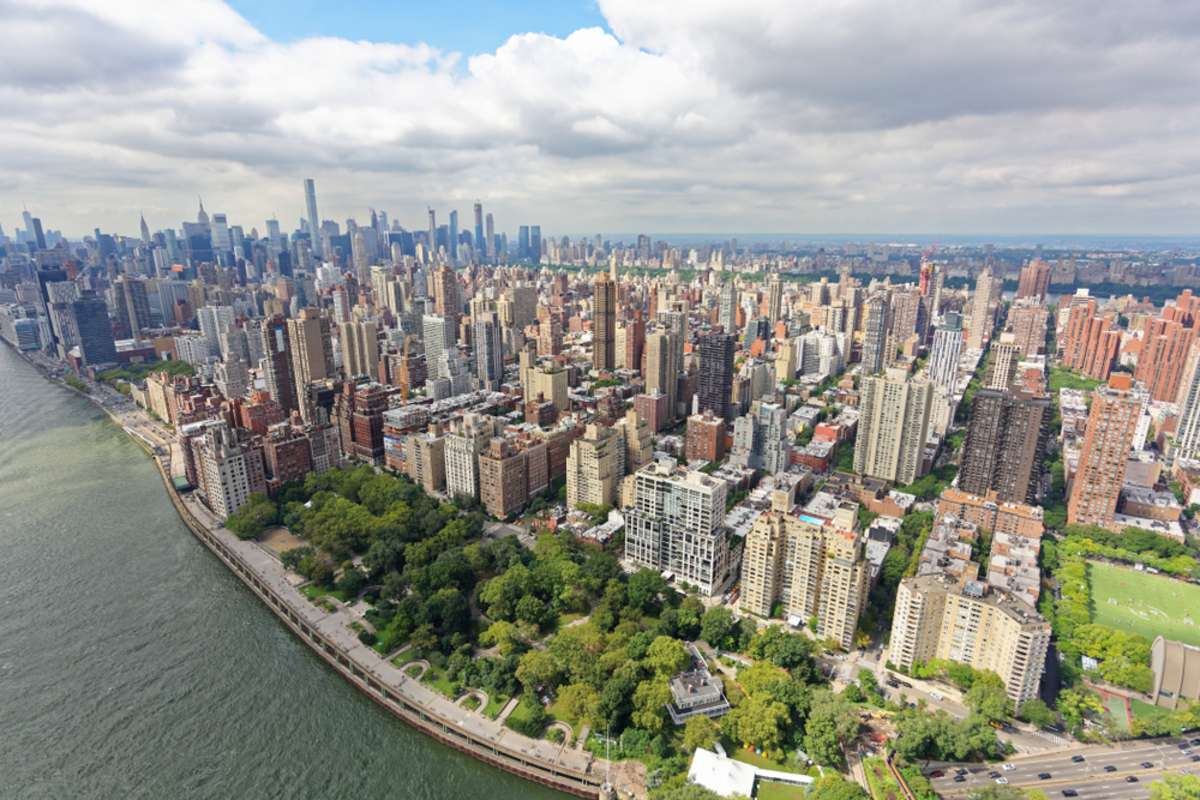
(1092, 340)
(981, 310)
(490, 236)
(214, 320)
(716, 374)
(1005, 442)
(133, 304)
(1028, 324)
(489, 350)
(1164, 351)
(312, 356)
(480, 245)
(814, 566)
(978, 625)
(535, 243)
(431, 253)
(523, 242)
(595, 465)
(439, 343)
(360, 348)
(277, 361)
(705, 437)
(1003, 368)
(1035, 281)
(1100, 475)
(660, 376)
(144, 229)
(39, 237)
(774, 300)
(677, 525)
(875, 334)
(314, 222)
(604, 308)
(893, 426)
(96, 343)
(727, 308)
(760, 438)
(454, 237)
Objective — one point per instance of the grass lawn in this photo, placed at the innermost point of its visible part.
(519, 714)
(751, 757)
(495, 706)
(1145, 604)
(443, 684)
(312, 591)
(1145, 711)
(883, 786)
(772, 790)
(471, 703)
(1063, 378)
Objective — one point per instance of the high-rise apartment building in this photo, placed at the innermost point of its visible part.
(727, 307)
(595, 466)
(1091, 341)
(705, 437)
(760, 438)
(945, 352)
(982, 317)
(439, 345)
(1034, 281)
(975, 624)
(360, 348)
(1103, 457)
(1165, 349)
(893, 426)
(312, 355)
(1003, 367)
(96, 343)
(1005, 442)
(447, 299)
(489, 350)
(503, 478)
(464, 443)
(226, 473)
(1027, 323)
(677, 525)
(814, 566)
(604, 322)
(716, 374)
(774, 299)
(277, 363)
(133, 304)
(660, 374)
(875, 334)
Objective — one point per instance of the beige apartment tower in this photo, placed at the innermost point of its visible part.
(893, 427)
(595, 466)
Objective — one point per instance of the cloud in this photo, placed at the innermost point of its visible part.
(699, 115)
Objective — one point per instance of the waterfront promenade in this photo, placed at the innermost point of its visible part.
(329, 635)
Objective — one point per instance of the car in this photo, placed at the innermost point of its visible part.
(1196, 742)
(1182, 745)
(937, 773)
(1044, 776)
(936, 696)
(1147, 765)
(1002, 781)
(893, 683)
(960, 778)
(1078, 759)
(961, 771)
(1070, 793)
(1009, 767)
(1131, 779)
(1109, 768)
(1196, 757)
(993, 774)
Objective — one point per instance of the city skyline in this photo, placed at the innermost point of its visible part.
(665, 119)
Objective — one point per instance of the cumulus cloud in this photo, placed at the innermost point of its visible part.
(693, 115)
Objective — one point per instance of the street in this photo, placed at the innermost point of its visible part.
(1089, 778)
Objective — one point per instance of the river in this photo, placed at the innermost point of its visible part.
(134, 665)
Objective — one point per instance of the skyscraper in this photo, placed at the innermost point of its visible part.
(716, 374)
(277, 360)
(774, 299)
(1035, 280)
(523, 242)
(875, 334)
(604, 309)
(133, 304)
(489, 350)
(535, 243)
(1102, 458)
(893, 426)
(480, 244)
(981, 310)
(439, 342)
(727, 310)
(1165, 349)
(432, 255)
(1092, 340)
(314, 221)
(312, 355)
(1006, 439)
(490, 237)
(595, 465)
(447, 299)
(454, 236)
(360, 348)
(1005, 356)
(96, 343)
(660, 375)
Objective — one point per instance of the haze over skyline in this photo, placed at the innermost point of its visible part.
(699, 116)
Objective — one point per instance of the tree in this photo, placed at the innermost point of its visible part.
(998, 793)
(679, 788)
(667, 656)
(352, 582)
(833, 786)
(1037, 713)
(1176, 787)
(759, 720)
(650, 705)
(644, 588)
(1075, 705)
(538, 670)
(700, 731)
(784, 650)
(988, 697)
(502, 635)
(249, 521)
(579, 703)
(716, 626)
(832, 723)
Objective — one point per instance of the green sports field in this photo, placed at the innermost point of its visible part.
(1150, 605)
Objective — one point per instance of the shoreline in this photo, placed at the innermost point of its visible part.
(558, 767)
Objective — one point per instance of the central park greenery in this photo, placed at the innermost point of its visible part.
(567, 631)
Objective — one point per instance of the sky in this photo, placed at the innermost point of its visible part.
(827, 116)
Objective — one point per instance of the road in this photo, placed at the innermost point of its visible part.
(1088, 778)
